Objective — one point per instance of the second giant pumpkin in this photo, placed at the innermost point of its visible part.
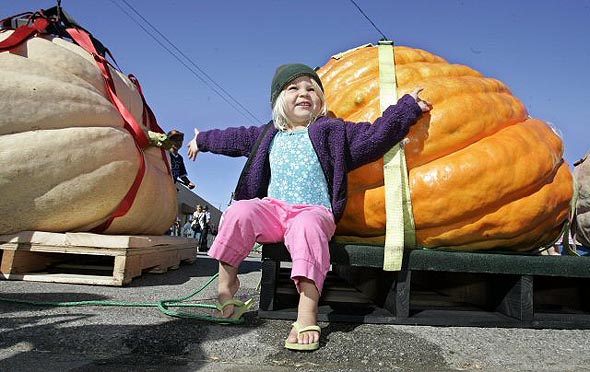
(483, 174)
(67, 161)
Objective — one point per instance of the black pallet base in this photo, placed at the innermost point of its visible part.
(437, 288)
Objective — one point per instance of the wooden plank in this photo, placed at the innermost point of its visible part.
(126, 241)
(39, 237)
(268, 289)
(93, 240)
(397, 301)
(517, 298)
(35, 247)
(125, 269)
(65, 278)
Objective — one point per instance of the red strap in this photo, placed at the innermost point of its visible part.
(23, 33)
(149, 120)
(141, 140)
(128, 200)
(153, 123)
(83, 39)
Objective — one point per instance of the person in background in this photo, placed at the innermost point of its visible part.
(187, 230)
(294, 187)
(175, 228)
(198, 224)
(177, 167)
(203, 243)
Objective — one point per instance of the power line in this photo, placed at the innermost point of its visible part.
(369, 19)
(217, 88)
(193, 63)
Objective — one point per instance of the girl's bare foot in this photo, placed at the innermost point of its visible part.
(307, 313)
(228, 285)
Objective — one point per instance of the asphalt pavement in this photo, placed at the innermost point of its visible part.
(124, 338)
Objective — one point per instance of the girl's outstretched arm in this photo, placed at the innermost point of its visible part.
(233, 141)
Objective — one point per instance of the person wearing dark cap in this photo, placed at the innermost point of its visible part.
(294, 186)
(177, 167)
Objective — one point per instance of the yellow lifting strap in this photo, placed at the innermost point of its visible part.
(400, 229)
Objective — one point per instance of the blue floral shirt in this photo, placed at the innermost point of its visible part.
(296, 174)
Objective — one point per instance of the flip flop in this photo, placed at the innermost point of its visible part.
(239, 307)
(300, 330)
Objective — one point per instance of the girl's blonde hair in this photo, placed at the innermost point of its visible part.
(279, 117)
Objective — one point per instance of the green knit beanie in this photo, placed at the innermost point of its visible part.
(287, 73)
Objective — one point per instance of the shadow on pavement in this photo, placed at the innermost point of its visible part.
(78, 342)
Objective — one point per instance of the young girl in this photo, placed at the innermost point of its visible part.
(293, 186)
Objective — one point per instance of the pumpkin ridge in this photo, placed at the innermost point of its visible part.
(465, 176)
(58, 194)
(457, 128)
(423, 71)
(439, 89)
(405, 54)
(511, 218)
(26, 109)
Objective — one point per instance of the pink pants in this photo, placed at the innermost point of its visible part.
(306, 231)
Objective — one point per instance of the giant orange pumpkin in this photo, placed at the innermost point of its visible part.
(483, 174)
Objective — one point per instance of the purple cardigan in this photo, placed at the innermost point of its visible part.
(340, 146)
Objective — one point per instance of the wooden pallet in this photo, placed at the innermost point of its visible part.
(438, 288)
(85, 258)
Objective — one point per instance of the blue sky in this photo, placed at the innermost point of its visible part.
(539, 48)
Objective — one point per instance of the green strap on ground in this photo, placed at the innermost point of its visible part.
(164, 305)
